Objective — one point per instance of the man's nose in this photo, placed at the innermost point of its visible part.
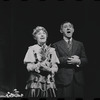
(68, 28)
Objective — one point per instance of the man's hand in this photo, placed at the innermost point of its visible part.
(73, 60)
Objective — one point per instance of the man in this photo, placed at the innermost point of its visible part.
(71, 53)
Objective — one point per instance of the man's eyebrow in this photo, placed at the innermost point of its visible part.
(65, 25)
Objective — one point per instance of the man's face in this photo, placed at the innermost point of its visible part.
(68, 30)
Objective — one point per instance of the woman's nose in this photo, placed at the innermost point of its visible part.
(42, 34)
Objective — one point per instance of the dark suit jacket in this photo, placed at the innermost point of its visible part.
(66, 72)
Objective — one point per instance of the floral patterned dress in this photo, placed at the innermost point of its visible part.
(41, 82)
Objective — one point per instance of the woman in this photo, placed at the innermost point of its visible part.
(42, 63)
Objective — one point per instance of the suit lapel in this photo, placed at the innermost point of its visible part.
(74, 46)
(63, 45)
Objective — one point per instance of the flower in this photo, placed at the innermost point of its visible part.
(14, 94)
(45, 53)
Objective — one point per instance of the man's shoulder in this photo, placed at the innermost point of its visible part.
(58, 42)
(77, 41)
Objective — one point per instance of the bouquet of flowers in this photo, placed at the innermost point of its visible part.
(45, 62)
(45, 54)
(15, 93)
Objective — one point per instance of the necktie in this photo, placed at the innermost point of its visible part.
(69, 45)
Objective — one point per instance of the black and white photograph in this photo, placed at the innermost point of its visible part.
(49, 49)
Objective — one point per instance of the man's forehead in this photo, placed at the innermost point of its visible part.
(67, 24)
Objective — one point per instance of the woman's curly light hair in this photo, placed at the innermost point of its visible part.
(37, 29)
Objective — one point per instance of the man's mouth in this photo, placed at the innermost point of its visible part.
(68, 31)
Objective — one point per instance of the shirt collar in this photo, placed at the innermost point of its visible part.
(67, 39)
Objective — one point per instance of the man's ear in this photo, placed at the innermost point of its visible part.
(73, 30)
(61, 30)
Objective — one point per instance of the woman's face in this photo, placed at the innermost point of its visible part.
(41, 37)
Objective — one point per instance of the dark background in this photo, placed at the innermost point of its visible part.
(19, 17)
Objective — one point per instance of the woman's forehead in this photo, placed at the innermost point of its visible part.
(41, 31)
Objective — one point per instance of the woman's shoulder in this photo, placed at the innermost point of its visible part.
(34, 47)
(52, 49)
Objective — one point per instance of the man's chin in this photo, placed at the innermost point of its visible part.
(68, 37)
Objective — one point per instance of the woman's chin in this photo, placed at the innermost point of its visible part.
(42, 42)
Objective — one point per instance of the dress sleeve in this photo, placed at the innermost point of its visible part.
(55, 61)
(29, 57)
(54, 58)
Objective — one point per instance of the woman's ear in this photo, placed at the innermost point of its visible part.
(34, 38)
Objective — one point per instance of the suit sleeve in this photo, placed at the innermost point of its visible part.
(83, 56)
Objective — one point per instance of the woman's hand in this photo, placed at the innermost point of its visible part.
(38, 67)
(45, 66)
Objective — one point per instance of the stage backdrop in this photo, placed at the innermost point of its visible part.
(17, 20)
